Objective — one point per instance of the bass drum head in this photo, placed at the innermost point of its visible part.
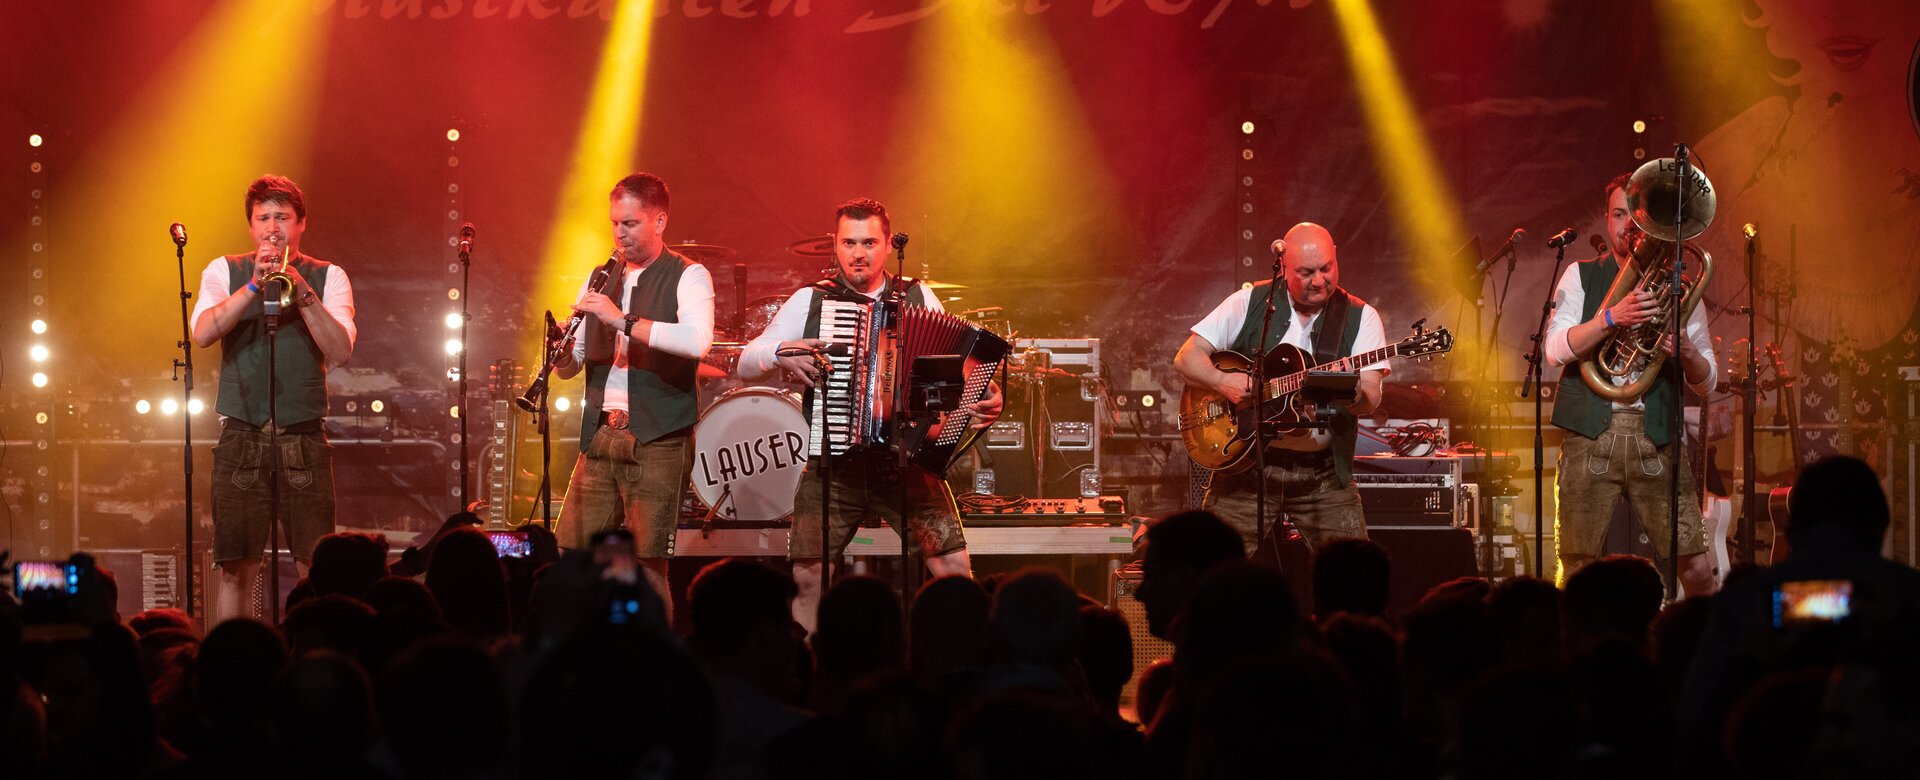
(749, 453)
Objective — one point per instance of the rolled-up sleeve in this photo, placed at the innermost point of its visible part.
(1569, 299)
(692, 336)
(758, 359)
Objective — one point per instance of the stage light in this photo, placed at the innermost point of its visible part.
(453, 134)
(34, 140)
(38, 352)
(169, 406)
(1639, 153)
(454, 412)
(453, 346)
(453, 293)
(453, 320)
(39, 327)
(39, 379)
(1246, 128)
(377, 406)
(142, 406)
(40, 418)
(195, 406)
(1639, 126)
(1146, 400)
(561, 403)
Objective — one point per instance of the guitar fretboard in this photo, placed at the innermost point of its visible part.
(1289, 384)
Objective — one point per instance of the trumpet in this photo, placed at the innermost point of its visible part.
(278, 286)
(562, 344)
(1652, 194)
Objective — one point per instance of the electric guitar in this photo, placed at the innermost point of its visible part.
(1219, 435)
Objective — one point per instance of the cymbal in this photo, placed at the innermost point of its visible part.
(1040, 372)
(701, 253)
(813, 246)
(938, 286)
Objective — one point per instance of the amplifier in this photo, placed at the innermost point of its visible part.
(1147, 648)
(1052, 422)
(1410, 500)
(988, 512)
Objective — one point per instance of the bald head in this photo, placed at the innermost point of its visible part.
(1311, 268)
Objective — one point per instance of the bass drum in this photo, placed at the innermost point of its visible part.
(749, 453)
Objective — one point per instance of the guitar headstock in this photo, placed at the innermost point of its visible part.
(1425, 342)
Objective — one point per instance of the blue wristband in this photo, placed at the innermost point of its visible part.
(253, 286)
(1609, 315)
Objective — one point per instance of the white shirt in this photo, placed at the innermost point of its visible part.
(216, 283)
(1570, 299)
(691, 337)
(1222, 326)
(758, 360)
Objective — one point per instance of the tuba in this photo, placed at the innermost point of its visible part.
(1653, 193)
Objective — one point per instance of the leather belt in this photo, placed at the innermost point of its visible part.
(235, 423)
(614, 418)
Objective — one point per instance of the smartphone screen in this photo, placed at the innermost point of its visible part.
(1806, 602)
(511, 544)
(44, 578)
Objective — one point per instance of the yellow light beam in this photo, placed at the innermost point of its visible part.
(993, 145)
(1421, 201)
(603, 152)
(237, 99)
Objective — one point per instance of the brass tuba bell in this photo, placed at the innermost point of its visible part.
(1634, 354)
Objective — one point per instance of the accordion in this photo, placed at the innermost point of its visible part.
(943, 361)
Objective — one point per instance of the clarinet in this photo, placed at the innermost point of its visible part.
(531, 399)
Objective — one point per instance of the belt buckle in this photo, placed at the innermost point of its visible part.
(617, 418)
(273, 428)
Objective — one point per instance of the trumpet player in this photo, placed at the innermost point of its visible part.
(1615, 449)
(641, 342)
(313, 332)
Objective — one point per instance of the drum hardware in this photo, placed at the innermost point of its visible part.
(702, 253)
(749, 455)
(812, 246)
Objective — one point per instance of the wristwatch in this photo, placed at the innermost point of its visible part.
(628, 329)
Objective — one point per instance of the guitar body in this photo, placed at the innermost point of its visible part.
(1218, 435)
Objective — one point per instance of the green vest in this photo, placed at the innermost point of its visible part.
(661, 396)
(299, 369)
(1344, 427)
(1577, 408)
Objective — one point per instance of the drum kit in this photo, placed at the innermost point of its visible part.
(749, 446)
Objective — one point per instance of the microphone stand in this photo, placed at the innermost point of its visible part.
(1678, 373)
(894, 308)
(466, 251)
(1536, 362)
(1750, 464)
(1261, 435)
(186, 404)
(270, 303)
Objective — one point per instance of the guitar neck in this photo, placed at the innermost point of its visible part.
(1290, 384)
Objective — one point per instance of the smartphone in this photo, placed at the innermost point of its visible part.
(1812, 602)
(511, 544)
(45, 581)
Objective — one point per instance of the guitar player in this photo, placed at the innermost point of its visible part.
(1309, 472)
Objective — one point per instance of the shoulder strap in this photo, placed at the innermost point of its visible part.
(1331, 327)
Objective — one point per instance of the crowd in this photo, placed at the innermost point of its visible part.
(566, 665)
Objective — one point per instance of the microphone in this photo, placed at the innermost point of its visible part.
(899, 241)
(179, 233)
(1279, 249)
(1747, 230)
(1505, 250)
(466, 239)
(1562, 238)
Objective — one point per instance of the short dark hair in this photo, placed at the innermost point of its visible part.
(276, 189)
(1197, 538)
(731, 598)
(1839, 491)
(647, 188)
(1618, 183)
(862, 208)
